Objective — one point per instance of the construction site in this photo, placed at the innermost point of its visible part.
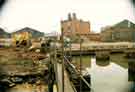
(58, 64)
(38, 64)
(42, 50)
(20, 62)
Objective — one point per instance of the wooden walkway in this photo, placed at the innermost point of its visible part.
(67, 84)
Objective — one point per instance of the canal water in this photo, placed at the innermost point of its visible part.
(107, 76)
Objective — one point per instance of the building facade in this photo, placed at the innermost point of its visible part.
(94, 37)
(74, 26)
(121, 32)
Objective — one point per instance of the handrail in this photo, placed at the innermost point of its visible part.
(79, 75)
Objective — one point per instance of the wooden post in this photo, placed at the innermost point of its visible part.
(62, 41)
(80, 63)
(70, 50)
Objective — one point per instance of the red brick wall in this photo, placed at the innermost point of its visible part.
(75, 26)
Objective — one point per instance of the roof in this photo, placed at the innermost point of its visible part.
(125, 24)
(35, 33)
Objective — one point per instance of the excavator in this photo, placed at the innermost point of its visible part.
(21, 39)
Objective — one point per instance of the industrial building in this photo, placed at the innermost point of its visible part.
(120, 32)
(74, 26)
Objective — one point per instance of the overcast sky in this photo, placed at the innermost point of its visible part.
(45, 15)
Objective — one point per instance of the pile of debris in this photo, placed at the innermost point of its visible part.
(20, 66)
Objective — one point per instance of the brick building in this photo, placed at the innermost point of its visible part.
(94, 37)
(74, 26)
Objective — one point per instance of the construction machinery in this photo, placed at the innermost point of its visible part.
(21, 39)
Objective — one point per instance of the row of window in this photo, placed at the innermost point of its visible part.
(112, 46)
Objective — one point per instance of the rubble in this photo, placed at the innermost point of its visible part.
(20, 66)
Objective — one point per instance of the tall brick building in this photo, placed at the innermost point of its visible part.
(74, 26)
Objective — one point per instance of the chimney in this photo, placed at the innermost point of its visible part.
(69, 17)
(74, 16)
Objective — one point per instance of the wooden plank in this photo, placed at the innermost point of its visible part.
(67, 84)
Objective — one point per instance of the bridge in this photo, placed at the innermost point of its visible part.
(94, 48)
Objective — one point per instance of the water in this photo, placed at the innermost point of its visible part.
(107, 76)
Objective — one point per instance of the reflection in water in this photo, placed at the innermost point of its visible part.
(111, 78)
(131, 73)
(132, 87)
(85, 61)
(119, 60)
(107, 76)
(102, 63)
(131, 70)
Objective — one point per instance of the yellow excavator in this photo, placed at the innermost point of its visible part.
(21, 39)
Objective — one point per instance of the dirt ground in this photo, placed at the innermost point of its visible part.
(20, 53)
(20, 61)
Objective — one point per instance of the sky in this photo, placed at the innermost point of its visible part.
(45, 15)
